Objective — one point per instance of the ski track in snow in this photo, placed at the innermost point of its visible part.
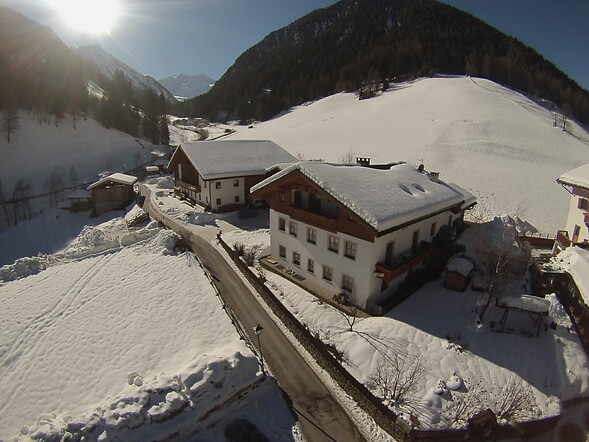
(39, 326)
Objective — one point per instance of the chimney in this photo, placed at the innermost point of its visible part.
(363, 161)
(434, 176)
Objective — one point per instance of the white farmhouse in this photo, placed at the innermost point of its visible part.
(576, 182)
(219, 174)
(359, 231)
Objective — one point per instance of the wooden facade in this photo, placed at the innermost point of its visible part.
(281, 197)
(111, 196)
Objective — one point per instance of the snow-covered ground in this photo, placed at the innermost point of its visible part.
(123, 331)
(490, 140)
(45, 156)
(439, 328)
(436, 326)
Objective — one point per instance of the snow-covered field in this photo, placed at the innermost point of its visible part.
(123, 331)
(492, 141)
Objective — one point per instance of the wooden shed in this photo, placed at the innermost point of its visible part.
(112, 192)
(458, 272)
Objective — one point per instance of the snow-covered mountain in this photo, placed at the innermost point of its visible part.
(187, 86)
(108, 64)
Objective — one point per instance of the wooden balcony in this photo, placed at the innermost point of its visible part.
(313, 219)
(404, 263)
(182, 185)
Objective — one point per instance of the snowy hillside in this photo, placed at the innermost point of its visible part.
(109, 64)
(492, 141)
(124, 331)
(39, 151)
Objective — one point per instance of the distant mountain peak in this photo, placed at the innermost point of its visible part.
(108, 64)
(188, 86)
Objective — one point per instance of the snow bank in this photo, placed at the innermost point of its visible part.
(575, 261)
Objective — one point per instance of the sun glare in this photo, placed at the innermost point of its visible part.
(90, 16)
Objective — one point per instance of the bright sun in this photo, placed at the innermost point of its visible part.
(91, 16)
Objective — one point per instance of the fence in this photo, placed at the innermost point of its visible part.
(372, 405)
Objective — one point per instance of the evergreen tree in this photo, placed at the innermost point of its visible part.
(9, 122)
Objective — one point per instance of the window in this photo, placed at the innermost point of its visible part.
(237, 199)
(450, 220)
(296, 258)
(576, 232)
(218, 185)
(235, 183)
(218, 201)
(311, 235)
(282, 251)
(281, 197)
(333, 244)
(390, 253)
(205, 184)
(384, 286)
(583, 204)
(292, 228)
(282, 224)
(310, 266)
(327, 273)
(348, 283)
(415, 242)
(432, 231)
(350, 251)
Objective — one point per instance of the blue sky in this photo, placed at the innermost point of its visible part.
(166, 37)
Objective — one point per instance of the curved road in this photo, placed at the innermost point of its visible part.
(320, 414)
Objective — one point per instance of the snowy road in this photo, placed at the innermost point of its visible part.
(321, 416)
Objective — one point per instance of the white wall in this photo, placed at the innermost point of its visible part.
(208, 195)
(368, 254)
(576, 216)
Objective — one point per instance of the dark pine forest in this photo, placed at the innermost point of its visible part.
(358, 42)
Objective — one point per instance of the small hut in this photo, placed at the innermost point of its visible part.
(112, 192)
(79, 200)
(458, 272)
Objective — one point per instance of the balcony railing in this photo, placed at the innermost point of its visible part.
(187, 186)
(313, 219)
(562, 238)
(404, 263)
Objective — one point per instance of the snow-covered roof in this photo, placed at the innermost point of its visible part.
(525, 302)
(120, 178)
(460, 265)
(80, 194)
(578, 177)
(228, 158)
(575, 260)
(382, 198)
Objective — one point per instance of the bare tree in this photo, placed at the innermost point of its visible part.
(20, 195)
(3, 203)
(348, 158)
(397, 377)
(515, 402)
(502, 256)
(73, 176)
(464, 405)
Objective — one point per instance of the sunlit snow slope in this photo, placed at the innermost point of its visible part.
(488, 139)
